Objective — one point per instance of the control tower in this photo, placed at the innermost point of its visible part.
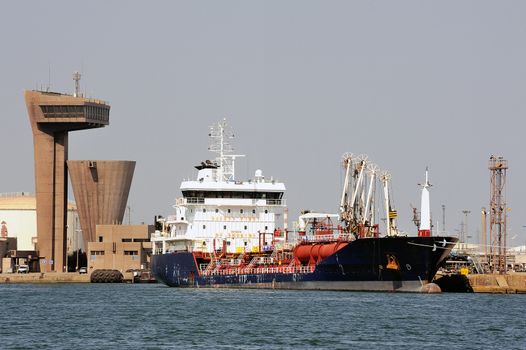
(53, 116)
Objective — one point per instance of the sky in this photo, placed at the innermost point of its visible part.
(412, 84)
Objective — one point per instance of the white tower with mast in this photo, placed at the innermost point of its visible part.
(425, 211)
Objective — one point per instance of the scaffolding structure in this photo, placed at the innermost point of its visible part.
(497, 219)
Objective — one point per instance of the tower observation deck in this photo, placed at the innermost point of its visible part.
(52, 115)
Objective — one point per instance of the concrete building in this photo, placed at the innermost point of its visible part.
(101, 191)
(52, 117)
(120, 247)
(7, 244)
(18, 220)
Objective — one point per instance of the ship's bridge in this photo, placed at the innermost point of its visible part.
(248, 193)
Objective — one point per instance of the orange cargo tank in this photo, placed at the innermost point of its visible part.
(312, 254)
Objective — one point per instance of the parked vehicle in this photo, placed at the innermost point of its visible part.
(83, 270)
(23, 269)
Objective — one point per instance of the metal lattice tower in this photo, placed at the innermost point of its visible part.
(497, 219)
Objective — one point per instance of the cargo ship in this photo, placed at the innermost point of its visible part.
(230, 233)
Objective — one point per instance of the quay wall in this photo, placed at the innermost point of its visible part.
(51, 277)
(495, 283)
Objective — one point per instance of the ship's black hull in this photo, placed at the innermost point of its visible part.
(361, 265)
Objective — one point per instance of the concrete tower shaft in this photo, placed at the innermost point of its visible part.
(52, 116)
(101, 189)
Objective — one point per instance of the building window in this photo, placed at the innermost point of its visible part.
(217, 210)
(228, 211)
(131, 252)
(224, 227)
(97, 252)
(204, 210)
(266, 211)
(266, 228)
(253, 211)
(246, 227)
(126, 240)
(100, 238)
(204, 226)
(241, 211)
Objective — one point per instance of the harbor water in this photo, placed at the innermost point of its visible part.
(152, 316)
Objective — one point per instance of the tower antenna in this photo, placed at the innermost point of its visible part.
(76, 78)
(48, 77)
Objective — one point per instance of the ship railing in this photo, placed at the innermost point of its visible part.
(234, 262)
(328, 238)
(252, 262)
(275, 202)
(262, 260)
(285, 256)
(259, 270)
(210, 267)
(288, 246)
(268, 202)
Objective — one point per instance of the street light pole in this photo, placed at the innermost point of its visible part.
(77, 231)
(466, 212)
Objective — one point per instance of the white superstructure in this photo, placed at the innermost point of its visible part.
(218, 213)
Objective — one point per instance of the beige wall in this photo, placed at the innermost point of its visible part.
(22, 224)
(101, 189)
(114, 245)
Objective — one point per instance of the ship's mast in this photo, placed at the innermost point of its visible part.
(220, 136)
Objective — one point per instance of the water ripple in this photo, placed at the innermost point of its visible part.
(98, 316)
